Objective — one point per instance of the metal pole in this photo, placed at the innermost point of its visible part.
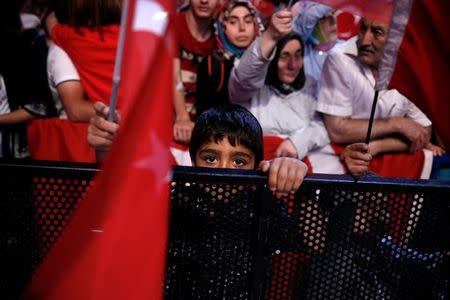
(118, 63)
(372, 114)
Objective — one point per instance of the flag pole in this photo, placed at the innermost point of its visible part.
(372, 114)
(118, 63)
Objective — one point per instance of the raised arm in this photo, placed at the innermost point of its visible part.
(249, 76)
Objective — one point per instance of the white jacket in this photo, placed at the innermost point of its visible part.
(293, 115)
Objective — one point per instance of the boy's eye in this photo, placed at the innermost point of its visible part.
(240, 162)
(210, 159)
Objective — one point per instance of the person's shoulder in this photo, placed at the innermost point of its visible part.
(178, 18)
(343, 54)
(180, 24)
(348, 47)
(57, 56)
(339, 56)
(62, 29)
(308, 88)
(54, 50)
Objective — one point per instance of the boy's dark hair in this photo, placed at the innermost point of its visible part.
(231, 121)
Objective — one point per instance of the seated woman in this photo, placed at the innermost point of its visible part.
(236, 28)
(270, 82)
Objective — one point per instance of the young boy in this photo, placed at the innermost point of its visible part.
(223, 137)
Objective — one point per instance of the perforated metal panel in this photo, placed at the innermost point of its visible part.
(210, 250)
(378, 239)
(37, 201)
(55, 199)
(231, 238)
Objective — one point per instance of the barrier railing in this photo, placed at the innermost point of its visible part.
(230, 238)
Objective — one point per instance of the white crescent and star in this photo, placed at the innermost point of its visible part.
(150, 16)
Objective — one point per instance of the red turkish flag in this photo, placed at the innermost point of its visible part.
(417, 59)
(115, 245)
(373, 9)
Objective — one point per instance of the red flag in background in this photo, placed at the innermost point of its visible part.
(114, 247)
(417, 59)
(265, 7)
(372, 9)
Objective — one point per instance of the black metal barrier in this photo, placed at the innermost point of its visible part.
(230, 238)
(37, 200)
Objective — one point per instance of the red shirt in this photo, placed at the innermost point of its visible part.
(191, 53)
(93, 52)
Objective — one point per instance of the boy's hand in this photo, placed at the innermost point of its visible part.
(357, 158)
(285, 174)
(101, 133)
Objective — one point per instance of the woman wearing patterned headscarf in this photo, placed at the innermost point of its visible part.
(235, 29)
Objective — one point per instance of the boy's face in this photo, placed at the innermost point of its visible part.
(224, 155)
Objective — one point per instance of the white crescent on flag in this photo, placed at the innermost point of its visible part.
(150, 16)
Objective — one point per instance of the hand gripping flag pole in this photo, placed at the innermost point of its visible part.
(118, 63)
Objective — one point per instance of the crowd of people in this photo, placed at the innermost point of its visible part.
(310, 91)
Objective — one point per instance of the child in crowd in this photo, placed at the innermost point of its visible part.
(228, 136)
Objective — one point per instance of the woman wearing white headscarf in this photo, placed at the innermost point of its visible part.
(270, 82)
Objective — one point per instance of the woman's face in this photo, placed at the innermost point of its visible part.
(239, 28)
(290, 62)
